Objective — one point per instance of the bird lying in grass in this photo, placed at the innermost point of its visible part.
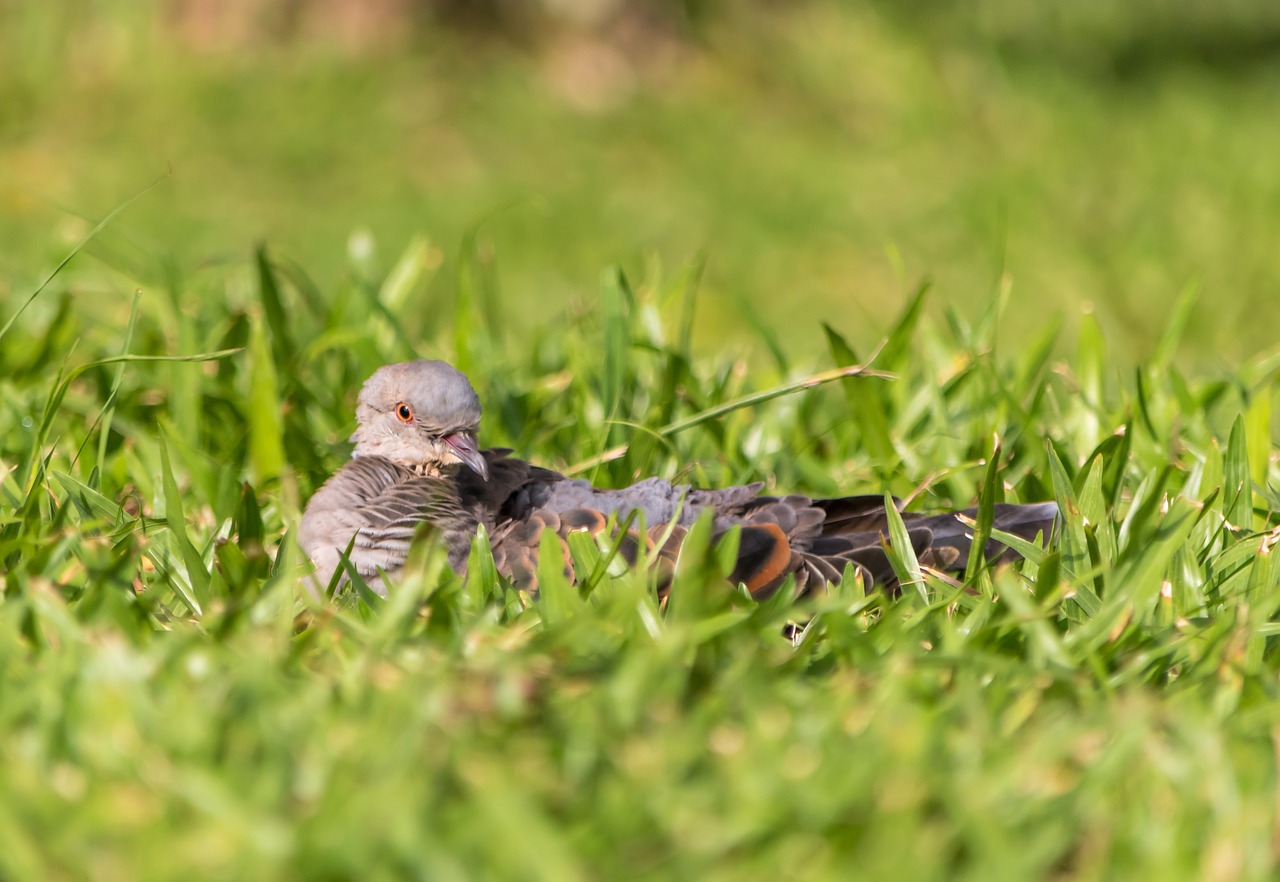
(416, 460)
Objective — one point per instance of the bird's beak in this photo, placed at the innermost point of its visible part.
(464, 445)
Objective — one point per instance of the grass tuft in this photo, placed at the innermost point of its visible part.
(175, 697)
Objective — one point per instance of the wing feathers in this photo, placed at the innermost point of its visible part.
(384, 505)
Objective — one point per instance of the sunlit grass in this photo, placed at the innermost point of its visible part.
(958, 253)
(174, 701)
(825, 156)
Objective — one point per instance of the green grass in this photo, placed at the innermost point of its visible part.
(1093, 195)
(173, 702)
(823, 155)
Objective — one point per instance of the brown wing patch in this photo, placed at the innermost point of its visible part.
(670, 536)
(587, 519)
(764, 556)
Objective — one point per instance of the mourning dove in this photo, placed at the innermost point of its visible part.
(416, 460)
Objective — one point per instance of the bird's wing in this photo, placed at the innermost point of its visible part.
(814, 540)
(854, 528)
(521, 501)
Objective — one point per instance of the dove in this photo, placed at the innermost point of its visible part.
(417, 461)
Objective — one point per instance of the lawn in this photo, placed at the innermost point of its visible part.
(676, 268)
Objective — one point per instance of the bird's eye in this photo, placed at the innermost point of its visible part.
(404, 412)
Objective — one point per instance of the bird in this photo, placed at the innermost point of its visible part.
(417, 462)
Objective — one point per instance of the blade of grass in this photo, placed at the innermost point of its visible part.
(1258, 435)
(558, 599)
(899, 343)
(273, 308)
(903, 557)
(616, 304)
(1237, 501)
(102, 422)
(101, 225)
(197, 575)
(866, 406)
(266, 432)
(750, 400)
(986, 517)
(1176, 326)
(411, 273)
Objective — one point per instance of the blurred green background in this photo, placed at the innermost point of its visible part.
(824, 157)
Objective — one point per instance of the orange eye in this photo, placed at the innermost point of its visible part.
(404, 412)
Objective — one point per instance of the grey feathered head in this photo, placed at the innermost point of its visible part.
(419, 414)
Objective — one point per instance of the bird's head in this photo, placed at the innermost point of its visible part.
(422, 415)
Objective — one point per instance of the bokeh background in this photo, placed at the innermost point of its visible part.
(813, 160)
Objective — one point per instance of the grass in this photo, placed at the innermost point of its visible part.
(173, 701)
(1092, 196)
(823, 156)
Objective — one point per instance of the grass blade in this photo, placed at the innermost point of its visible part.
(1237, 499)
(197, 575)
(902, 555)
(62, 264)
(866, 405)
(751, 400)
(986, 518)
(266, 430)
